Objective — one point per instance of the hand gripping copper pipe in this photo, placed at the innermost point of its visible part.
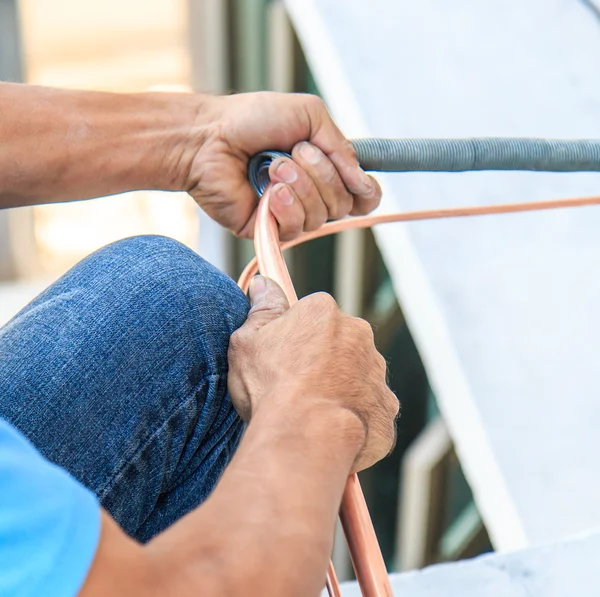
(362, 542)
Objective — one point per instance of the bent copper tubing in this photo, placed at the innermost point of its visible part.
(364, 549)
(413, 216)
(362, 542)
(394, 155)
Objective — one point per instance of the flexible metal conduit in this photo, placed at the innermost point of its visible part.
(404, 155)
(458, 155)
(462, 155)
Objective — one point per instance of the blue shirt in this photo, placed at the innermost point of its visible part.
(49, 523)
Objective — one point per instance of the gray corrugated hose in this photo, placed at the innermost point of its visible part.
(458, 155)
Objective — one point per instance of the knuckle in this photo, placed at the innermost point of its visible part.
(315, 220)
(363, 327)
(305, 189)
(381, 362)
(350, 149)
(377, 192)
(244, 233)
(362, 206)
(291, 223)
(291, 231)
(394, 403)
(373, 196)
(315, 102)
(324, 301)
(328, 175)
(275, 309)
(316, 164)
(388, 426)
(392, 440)
(324, 167)
(382, 444)
(341, 206)
(237, 341)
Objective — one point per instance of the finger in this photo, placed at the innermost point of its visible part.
(328, 137)
(325, 179)
(286, 171)
(288, 211)
(366, 204)
(267, 300)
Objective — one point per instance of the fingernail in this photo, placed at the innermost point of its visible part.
(309, 153)
(258, 288)
(286, 173)
(284, 195)
(366, 181)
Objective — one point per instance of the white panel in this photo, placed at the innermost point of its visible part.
(504, 310)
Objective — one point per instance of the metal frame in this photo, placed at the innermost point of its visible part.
(465, 538)
(422, 503)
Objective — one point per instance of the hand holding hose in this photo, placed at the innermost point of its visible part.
(322, 180)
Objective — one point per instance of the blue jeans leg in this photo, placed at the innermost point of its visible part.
(118, 373)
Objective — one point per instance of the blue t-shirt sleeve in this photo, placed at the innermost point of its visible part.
(49, 523)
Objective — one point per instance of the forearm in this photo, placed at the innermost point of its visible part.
(60, 145)
(268, 528)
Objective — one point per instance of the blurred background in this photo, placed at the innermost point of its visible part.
(421, 505)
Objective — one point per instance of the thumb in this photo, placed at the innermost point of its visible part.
(267, 300)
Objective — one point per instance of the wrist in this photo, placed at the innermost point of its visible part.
(189, 120)
(315, 422)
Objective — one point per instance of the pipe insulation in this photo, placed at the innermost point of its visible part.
(457, 155)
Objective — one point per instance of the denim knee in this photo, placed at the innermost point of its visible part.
(166, 287)
(128, 352)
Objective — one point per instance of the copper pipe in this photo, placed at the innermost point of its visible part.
(333, 587)
(268, 250)
(272, 265)
(412, 216)
(362, 542)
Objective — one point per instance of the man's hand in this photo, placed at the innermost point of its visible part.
(312, 385)
(312, 358)
(321, 182)
(62, 145)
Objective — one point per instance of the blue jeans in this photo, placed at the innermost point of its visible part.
(118, 373)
